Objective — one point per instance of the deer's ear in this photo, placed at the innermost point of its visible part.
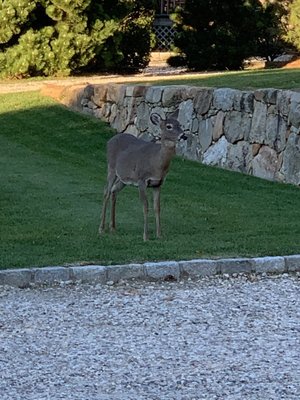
(155, 118)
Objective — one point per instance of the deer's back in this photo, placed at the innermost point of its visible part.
(117, 145)
(134, 159)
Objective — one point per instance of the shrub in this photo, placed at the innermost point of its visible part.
(221, 34)
(60, 37)
(177, 61)
(137, 39)
(128, 50)
(272, 26)
(293, 34)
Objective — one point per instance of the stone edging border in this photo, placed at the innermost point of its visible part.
(151, 271)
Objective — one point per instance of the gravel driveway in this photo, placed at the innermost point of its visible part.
(215, 338)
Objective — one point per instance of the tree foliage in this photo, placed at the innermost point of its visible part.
(272, 26)
(293, 34)
(59, 37)
(221, 34)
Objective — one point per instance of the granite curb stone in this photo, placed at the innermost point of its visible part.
(127, 271)
(235, 265)
(50, 275)
(270, 265)
(88, 273)
(198, 268)
(16, 277)
(292, 263)
(163, 270)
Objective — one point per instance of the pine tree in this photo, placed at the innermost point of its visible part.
(13, 15)
(59, 37)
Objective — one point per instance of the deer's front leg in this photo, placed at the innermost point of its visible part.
(143, 197)
(156, 207)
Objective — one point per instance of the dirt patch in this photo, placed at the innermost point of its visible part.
(293, 64)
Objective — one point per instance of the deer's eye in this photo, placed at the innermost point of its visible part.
(169, 127)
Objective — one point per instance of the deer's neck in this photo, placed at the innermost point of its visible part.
(167, 152)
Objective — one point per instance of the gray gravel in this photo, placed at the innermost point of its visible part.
(215, 338)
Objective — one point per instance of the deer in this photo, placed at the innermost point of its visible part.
(144, 164)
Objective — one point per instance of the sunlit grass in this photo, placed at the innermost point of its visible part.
(248, 79)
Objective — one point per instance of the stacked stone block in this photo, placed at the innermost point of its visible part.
(254, 132)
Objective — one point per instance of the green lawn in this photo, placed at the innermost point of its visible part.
(248, 79)
(52, 175)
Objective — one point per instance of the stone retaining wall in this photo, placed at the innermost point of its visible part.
(254, 132)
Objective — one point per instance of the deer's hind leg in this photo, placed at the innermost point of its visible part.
(117, 187)
(111, 178)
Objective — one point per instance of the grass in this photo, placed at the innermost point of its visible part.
(248, 79)
(53, 169)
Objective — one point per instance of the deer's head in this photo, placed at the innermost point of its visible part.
(170, 127)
